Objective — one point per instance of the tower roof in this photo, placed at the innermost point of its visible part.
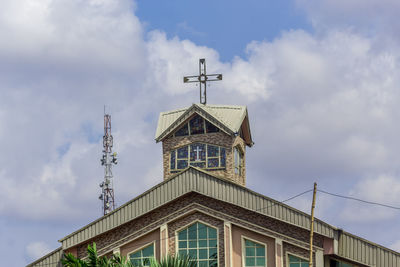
(229, 119)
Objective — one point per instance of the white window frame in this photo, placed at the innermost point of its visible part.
(239, 168)
(142, 247)
(244, 249)
(296, 255)
(190, 224)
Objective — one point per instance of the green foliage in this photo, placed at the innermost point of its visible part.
(93, 260)
(173, 261)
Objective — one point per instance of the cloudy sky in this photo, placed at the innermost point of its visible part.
(320, 78)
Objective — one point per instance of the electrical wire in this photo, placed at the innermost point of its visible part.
(161, 239)
(360, 200)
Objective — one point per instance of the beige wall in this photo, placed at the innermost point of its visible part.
(238, 233)
(141, 242)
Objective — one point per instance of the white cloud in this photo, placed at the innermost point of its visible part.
(383, 189)
(37, 249)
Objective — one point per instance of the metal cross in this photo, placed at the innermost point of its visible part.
(197, 150)
(202, 78)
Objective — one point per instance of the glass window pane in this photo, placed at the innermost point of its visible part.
(192, 230)
(213, 264)
(183, 152)
(203, 263)
(136, 255)
(250, 251)
(212, 151)
(211, 128)
(184, 130)
(182, 252)
(172, 159)
(223, 158)
(182, 244)
(212, 233)
(248, 243)
(202, 243)
(212, 253)
(203, 254)
(193, 244)
(295, 264)
(212, 243)
(202, 232)
(197, 152)
(182, 235)
(260, 261)
(149, 251)
(196, 125)
(213, 163)
(250, 261)
(260, 251)
(182, 164)
(198, 164)
(193, 253)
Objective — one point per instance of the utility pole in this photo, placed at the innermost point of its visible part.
(312, 225)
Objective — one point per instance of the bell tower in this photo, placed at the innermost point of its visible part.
(212, 138)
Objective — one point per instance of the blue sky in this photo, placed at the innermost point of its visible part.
(225, 27)
(319, 77)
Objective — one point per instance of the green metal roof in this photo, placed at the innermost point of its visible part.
(227, 118)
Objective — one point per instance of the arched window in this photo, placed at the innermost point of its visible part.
(142, 257)
(200, 242)
(198, 155)
(254, 253)
(238, 157)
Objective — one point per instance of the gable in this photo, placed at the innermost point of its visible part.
(230, 119)
(195, 180)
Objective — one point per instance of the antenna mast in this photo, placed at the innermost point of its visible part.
(108, 159)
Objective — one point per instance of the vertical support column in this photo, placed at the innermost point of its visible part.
(163, 241)
(278, 252)
(228, 244)
(319, 258)
(117, 251)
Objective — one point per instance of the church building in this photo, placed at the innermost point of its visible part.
(203, 208)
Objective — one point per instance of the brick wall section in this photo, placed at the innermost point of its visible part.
(295, 251)
(219, 139)
(186, 221)
(226, 211)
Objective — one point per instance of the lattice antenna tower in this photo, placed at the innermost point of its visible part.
(109, 158)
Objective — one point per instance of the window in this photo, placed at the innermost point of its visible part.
(297, 262)
(142, 257)
(238, 161)
(254, 253)
(199, 241)
(196, 125)
(198, 155)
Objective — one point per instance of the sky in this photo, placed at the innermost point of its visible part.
(320, 79)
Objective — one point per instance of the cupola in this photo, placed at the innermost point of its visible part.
(209, 137)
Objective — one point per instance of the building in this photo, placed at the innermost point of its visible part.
(203, 208)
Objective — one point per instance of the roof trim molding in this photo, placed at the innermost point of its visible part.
(195, 108)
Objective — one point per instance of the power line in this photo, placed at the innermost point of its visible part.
(161, 239)
(360, 200)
